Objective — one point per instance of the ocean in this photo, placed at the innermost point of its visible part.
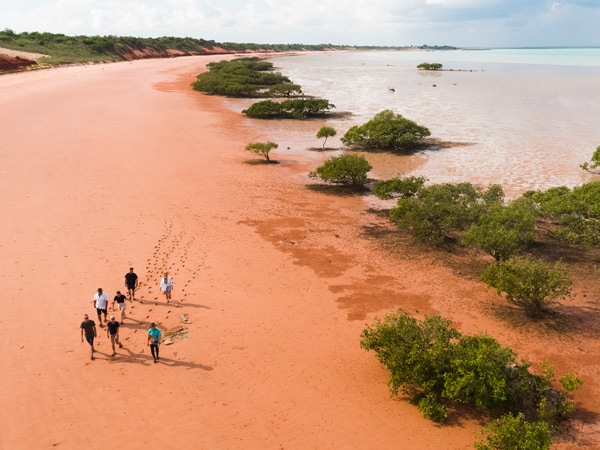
(522, 118)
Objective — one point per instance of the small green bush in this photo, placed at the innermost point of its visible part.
(430, 66)
(345, 169)
(436, 367)
(515, 433)
(387, 131)
(529, 283)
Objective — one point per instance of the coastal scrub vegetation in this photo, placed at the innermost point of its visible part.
(430, 66)
(572, 215)
(262, 148)
(443, 212)
(347, 169)
(63, 49)
(297, 108)
(438, 212)
(386, 131)
(244, 77)
(471, 216)
(529, 283)
(438, 367)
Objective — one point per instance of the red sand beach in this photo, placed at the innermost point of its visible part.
(110, 166)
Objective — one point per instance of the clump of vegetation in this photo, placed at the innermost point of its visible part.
(398, 187)
(515, 432)
(387, 131)
(573, 214)
(529, 283)
(437, 213)
(326, 132)
(244, 77)
(299, 108)
(347, 169)
(430, 66)
(436, 366)
(504, 231)
(63, 49)
(262, 148)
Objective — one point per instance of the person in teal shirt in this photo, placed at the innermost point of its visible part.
(154, 336)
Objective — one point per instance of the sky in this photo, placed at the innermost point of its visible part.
(461, 23)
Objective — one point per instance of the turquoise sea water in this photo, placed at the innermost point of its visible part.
(530, 116)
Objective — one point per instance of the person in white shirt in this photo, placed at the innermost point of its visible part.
(101, 304)
(166, 285)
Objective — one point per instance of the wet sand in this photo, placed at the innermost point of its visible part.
(111, 166)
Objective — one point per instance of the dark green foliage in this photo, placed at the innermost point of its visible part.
(289, 109)
(504, 231)
(244, 77)
(576, 212)
(345, 169)
(267, 109)
(284, 90)
(430, 66)
(529, 283)
(304, 108)
(438, 212)
(514, 432)
(417, 354)
(477, 373)
(262, 148)
(398, 187)
(387, 131)
(326, 132)
(437, 367)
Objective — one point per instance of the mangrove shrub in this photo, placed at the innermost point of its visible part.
(529, 283)
(345, 169)
(386, 131)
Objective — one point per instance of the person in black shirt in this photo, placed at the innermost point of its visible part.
(131, 283)
(120, 300)
(112, 331)
(88, 327)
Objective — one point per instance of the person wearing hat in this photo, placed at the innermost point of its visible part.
(112, 331)
(154, 336)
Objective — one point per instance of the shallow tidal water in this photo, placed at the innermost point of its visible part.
(528, 117)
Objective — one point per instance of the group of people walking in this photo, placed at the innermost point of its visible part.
(100, 301)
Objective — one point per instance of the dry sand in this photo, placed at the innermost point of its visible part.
(111, 166)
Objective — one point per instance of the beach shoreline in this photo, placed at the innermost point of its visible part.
(123, 165)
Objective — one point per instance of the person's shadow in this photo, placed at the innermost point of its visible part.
(146, 359)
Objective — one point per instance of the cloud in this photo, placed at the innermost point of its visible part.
(360, 22)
